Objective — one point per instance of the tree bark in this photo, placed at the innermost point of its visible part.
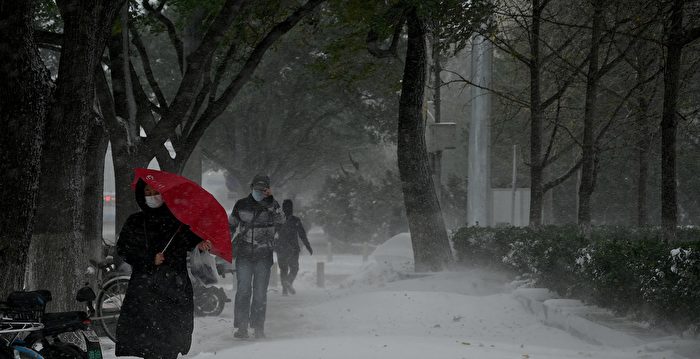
(26, 90)
(674, 50)
(428, 235)
(588, 163)
(536, 119)
(644, 133)
(58, 249)
(643, 149)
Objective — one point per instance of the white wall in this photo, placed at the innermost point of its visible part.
(502, 203)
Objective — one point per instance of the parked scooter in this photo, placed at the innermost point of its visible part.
(64, 334)
(15, 325)
(208, 300)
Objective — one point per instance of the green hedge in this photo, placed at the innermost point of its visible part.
(629, 270)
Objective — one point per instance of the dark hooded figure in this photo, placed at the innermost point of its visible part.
(156, 319)
(287, 247)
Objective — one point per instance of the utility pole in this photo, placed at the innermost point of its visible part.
(479, 186)
(514, 184)
(437, 83)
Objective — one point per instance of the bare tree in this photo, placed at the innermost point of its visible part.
(59, 241)
(677, 36)
(203, 93)
(26, 88)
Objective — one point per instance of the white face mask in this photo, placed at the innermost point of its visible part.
(154, 201)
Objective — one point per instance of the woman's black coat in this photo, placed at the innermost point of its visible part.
(157, 316)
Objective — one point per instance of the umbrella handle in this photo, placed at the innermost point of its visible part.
(171, 239)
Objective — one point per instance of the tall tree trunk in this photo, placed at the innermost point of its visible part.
(643, 148)
(193, 167)
(124, 135)
(588, 163)
(58, 250)
(642, 178)
(124, 163)
(536, 119)
(674, 50)
(26, 90)
(428, 235)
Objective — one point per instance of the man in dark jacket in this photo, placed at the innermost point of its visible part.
(254, 220)
(288, 247)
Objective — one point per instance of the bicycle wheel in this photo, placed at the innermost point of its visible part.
(109, 304)
(209, 303)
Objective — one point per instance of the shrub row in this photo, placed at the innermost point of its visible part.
(629, 270)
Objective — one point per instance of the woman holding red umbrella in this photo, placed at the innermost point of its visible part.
(156, 319)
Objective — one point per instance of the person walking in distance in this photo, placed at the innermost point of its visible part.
(288, 247)
(254, 220)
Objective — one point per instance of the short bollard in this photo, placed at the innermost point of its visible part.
(320, 274)
(274, 275)
(365, 252)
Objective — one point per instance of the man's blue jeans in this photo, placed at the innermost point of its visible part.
(253, 277)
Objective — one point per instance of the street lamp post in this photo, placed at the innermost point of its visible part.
(479, 185)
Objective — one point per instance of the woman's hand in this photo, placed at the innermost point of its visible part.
(160, 258)
(204, 246)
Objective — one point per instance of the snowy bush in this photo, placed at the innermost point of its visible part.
(353, 208)
(674, 284)
(356, 208)
(629, 270)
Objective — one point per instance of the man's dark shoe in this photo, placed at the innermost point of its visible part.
(241, 333)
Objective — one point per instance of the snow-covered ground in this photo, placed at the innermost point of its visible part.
(365, 312)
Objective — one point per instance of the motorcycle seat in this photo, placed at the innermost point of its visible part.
(63, 321)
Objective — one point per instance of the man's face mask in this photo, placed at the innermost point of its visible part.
(154, 201)
(258, 195)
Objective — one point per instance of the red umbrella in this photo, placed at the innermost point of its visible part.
(193, 206)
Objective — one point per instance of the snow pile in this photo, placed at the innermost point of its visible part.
(450, 315)
(468, 314)
(396, 252)
(386, 263)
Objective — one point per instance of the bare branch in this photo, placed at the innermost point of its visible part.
(144, 115)
(373, 42)
(553, 136)
(462, 79)
(559, 180)
(172, 32)
(248, 68)
(52, 39)
(507, 48)
(548, 102)
(146, 64)
(190, 83)
(221, 69)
